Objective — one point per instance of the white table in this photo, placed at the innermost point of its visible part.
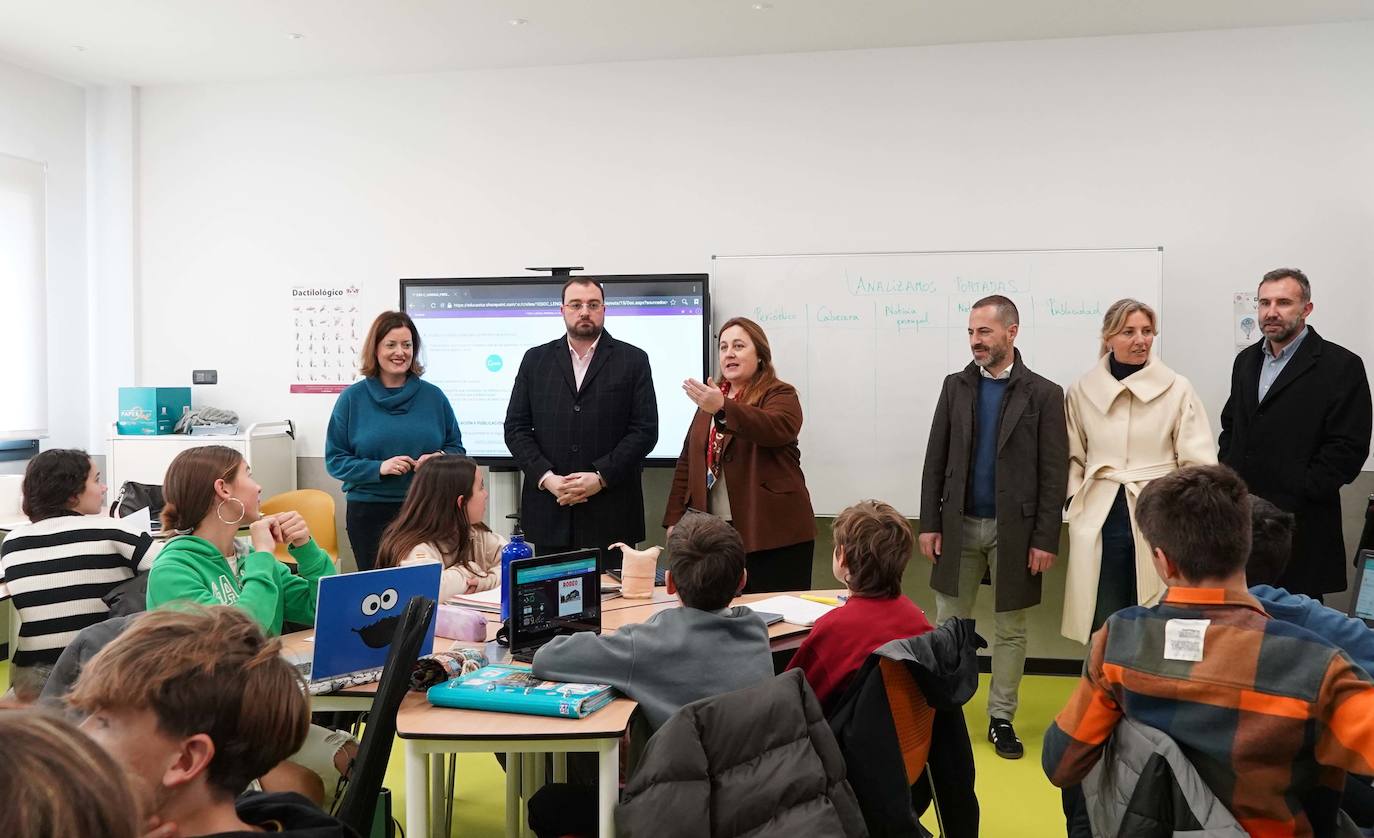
(428, 733)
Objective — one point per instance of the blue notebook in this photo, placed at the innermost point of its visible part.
(512, 689)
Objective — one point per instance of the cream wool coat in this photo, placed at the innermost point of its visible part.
(1123, 433)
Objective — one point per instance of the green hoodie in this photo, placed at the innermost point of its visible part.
(191, 569)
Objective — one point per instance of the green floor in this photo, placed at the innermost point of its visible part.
(1016, 799)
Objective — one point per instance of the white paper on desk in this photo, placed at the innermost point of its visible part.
(794, 610)
(141, 520)
(482, 600)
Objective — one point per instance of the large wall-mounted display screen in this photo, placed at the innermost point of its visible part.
(475, 331)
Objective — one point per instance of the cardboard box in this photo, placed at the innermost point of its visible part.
(151, 410)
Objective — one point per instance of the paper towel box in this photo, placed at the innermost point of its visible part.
(151, 410)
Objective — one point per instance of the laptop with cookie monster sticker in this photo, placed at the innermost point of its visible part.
(356, 617)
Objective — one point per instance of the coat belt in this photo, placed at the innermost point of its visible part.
(1126, 476)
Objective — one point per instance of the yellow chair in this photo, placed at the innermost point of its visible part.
(317, 508)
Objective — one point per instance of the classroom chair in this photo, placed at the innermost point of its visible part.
(358, 805)
(317, 508)
(913, 720)
(900, 727)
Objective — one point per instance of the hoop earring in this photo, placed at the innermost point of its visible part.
(219, 511)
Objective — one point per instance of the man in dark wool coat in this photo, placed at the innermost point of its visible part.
(1297, 427)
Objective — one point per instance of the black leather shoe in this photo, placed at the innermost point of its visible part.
(1003, 738)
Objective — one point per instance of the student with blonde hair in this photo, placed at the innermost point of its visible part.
(57, 783)
(196, 705)
(1131, 420)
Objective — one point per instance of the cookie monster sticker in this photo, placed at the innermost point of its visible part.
(358, 613)
(379, 634)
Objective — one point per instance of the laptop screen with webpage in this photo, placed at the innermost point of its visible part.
(553, 595)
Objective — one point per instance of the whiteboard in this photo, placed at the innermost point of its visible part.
(867, 339)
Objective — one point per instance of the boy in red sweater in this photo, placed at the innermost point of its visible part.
(873, 543)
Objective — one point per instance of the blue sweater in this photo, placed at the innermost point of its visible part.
(1350, 634)
(982, 484)
(371, 423)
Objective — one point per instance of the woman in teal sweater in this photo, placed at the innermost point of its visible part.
(210, 494)
(383, 428)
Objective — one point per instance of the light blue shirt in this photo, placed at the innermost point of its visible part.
(1272, 366)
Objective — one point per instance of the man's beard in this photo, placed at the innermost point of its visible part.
(1289, 329)
(584, 331)
(996, 355)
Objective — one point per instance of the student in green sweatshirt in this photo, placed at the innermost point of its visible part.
(210, 493)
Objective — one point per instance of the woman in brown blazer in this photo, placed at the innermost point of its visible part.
(741, 461)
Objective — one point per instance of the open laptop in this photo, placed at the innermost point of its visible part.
(356, 617)
(659, 578)
(1362, 596)
(551, 596)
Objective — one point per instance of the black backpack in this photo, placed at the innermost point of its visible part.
(135, 496)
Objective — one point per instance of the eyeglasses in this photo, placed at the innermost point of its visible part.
(577, 305)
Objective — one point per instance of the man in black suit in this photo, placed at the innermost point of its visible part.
(1296, 426)
(582, 418)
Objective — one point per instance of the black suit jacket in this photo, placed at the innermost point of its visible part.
(609, 426)
(1297, 448)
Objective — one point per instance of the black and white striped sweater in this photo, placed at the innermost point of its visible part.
(57, 570)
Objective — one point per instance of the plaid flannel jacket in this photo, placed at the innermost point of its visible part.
(1271, 715)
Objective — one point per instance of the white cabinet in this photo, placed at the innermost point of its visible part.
(269, 448)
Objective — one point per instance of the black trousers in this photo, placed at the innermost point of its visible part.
(780, 569)
(365, 522)
(1116, 577)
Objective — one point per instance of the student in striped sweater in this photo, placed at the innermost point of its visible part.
(57, 568)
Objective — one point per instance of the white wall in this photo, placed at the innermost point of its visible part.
(1238, 151)
(111, 201)
(43, 119)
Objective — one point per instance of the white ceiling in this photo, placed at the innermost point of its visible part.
(147, 42)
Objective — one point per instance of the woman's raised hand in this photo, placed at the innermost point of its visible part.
(707, 396)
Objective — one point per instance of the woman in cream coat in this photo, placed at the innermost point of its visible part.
(1131, 419)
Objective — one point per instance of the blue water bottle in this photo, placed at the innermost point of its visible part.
(516, 549)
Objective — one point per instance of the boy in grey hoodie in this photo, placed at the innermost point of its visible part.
(679, 655)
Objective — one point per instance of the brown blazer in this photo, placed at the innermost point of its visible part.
(762, 465)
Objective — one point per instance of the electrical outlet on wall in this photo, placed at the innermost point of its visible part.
(204, 377)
